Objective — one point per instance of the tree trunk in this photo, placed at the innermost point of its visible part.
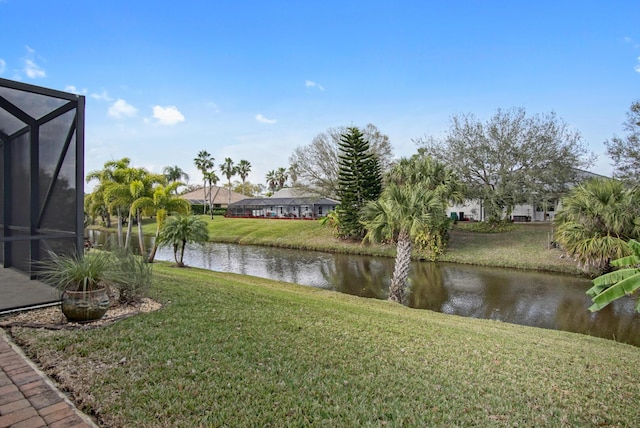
(129, 226)
(140, 236)
(154, 249)
(184, 244)
(175, 253)
(119, 228)
(401, 268)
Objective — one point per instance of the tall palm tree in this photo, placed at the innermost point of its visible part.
(272, 180)
(228, 170)
(281, 176)
(432, 175)
(108, 177)
(181, 230)
(293, 173)
(243, 169)
(174, 174)
(204, 162)
(401, 214)
(596, 220)
(163, 202)
(212, 179)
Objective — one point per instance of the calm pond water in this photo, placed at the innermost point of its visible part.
(521, 297)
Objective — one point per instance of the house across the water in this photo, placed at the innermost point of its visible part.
(283, 204)
(219, 196)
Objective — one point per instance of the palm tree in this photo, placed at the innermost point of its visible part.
(204, 162)
(401, 214)
(163, 202)
(108, 177)
(228, 170)
(428, 172)
(432, 175)
(212, 179)
(272, 180)
(281, 176)
(293, 173)
(596, 220)
(243, 169)
(181, 230)
(174, 174)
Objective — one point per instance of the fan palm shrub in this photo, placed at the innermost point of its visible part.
(595, 222)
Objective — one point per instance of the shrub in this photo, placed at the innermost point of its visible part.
(134, 276)
(489, 226)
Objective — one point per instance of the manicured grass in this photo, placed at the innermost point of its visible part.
(524, 247)
(230, 350)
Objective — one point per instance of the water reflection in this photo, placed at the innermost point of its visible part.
(529, 298)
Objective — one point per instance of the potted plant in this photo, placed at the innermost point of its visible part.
(83, 282)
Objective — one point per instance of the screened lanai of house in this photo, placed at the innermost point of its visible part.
(41, 176)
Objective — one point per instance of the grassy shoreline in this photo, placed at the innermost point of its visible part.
(232, 350)
(525, 247)
(235, 350)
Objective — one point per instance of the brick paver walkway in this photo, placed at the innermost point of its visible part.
(28, 398)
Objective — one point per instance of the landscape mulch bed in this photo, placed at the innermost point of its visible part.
(52, 318)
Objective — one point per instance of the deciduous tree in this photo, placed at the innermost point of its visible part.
(512, 158)
(625, 152)
(315, 165)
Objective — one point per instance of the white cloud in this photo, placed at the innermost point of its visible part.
(101, 97)
(121, 108)
(312, 84)
(260, 118)
(31, 69)
(637, 67)
(169, 115)
(3, 66)
(74, 90)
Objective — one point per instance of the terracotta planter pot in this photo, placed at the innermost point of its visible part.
(85, 306)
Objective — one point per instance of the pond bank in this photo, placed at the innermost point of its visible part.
(237, 350)
(525, 247)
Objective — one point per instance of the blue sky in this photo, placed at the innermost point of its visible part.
(255, 79)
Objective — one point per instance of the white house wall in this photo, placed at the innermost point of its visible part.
(473, 212)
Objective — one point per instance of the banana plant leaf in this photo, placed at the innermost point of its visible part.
(631, 260)
(623, 287)
(614, 285)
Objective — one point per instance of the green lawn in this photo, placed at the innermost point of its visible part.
(230, 350)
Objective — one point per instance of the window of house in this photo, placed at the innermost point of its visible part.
(320, 210)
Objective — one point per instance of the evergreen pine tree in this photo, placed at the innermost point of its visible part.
(359, 181)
